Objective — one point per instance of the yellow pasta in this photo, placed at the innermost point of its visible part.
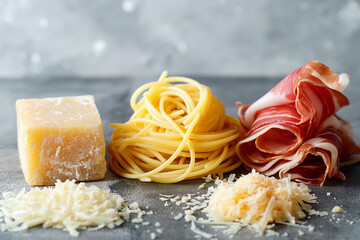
(178, 131)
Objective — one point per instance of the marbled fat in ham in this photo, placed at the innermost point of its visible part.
(294, 130)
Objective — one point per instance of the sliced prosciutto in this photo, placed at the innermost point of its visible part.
(294, 130)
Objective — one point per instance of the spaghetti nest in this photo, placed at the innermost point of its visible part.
(178, 131)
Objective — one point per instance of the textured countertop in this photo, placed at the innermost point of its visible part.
(112, 99)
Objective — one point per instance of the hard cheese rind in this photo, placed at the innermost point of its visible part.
(60, 138)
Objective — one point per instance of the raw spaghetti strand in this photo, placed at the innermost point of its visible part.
(178, 131)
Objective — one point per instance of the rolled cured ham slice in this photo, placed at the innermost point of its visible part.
(293, 129)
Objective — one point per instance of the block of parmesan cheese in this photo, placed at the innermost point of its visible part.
(60, 138)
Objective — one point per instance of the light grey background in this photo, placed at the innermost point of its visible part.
(216, 37)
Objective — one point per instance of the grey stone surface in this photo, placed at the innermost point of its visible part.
(112, 99)
(222, 37)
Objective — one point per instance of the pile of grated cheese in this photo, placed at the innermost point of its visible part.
(67, 206)
(257, 201)
(254, 197)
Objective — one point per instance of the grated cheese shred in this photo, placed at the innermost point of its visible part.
(257, 201)
(67, 206)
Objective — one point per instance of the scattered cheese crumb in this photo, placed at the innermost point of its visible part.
(271, 233)
(134, 205)
(189, 212)
(317, 213)
(177, 217)
(189, 218)
(174, 199)
(153, 236)
(231, 178)
(185, 199)
(337, 209)
(166, 195)
(199, 232)
(137, 220)
(208, 178)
